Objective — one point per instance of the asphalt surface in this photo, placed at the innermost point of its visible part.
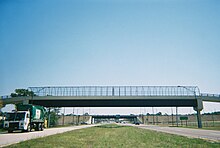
(212, 135)
(16, 137)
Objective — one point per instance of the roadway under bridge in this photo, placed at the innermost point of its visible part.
(116, 118)
(117, 96)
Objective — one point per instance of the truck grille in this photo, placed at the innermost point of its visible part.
(14, 125)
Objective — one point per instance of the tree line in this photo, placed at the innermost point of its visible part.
(22, 93)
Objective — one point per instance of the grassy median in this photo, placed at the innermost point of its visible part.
(205, 128)
(115, 136)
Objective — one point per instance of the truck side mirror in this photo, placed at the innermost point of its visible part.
(28, 116)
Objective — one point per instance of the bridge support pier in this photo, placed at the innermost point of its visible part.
(199, 119)
(198, 109)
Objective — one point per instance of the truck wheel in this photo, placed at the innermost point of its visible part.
(38, 127)
(10, 131)
(29, 128)
(42, 127)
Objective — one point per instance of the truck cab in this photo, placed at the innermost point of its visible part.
(19, 120)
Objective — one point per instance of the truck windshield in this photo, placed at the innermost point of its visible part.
(15, 116)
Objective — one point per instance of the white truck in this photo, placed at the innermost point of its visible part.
(26, 118)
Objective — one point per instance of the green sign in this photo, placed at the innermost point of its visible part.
(184, 118)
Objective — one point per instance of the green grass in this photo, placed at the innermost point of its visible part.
(205, 124)
(206, 128)
(208, 125)
(59, 126)
(108, 136)
(212, 128)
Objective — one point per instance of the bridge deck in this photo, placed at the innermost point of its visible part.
(107, 101)
(115, 96)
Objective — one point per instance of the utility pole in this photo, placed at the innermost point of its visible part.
(77, 117)
(83, 116)
(213, 121)
(156, 117)
(48, 124)
(172, 115)
(177, 124)
(73, 115)
(153, 115)
(63, 115)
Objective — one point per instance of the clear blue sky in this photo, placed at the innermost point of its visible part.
(135, 42)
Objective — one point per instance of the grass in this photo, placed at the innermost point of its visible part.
(208, 125)
(206, 128)
(59, 126)
(212, 128)
(112, 135)
(205, 124)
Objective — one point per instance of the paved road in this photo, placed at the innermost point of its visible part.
(11, 138)
(193, 133)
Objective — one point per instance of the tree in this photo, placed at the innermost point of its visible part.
(1, 105)
(86, 114)
(159, 113)
(22, 92)
(54, 116)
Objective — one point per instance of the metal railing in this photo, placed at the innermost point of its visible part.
(116, 91)
(5, 97)
(210, 95)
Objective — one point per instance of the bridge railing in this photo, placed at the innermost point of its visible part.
(117, 91)
(5, 97)
(210, 95)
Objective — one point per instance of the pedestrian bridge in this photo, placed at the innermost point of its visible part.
(116, 96)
